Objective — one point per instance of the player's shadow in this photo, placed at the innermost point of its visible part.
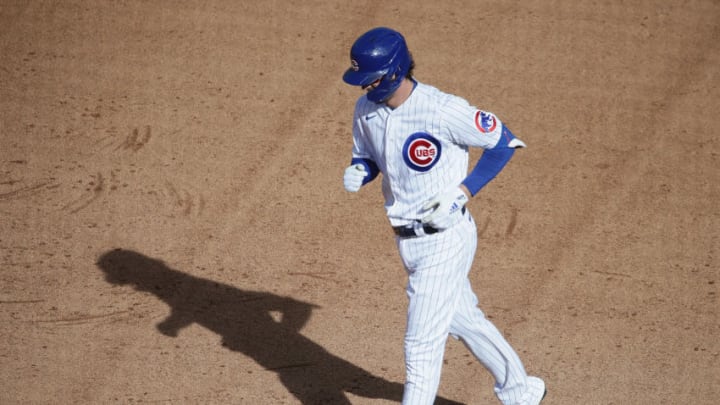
(263, 326)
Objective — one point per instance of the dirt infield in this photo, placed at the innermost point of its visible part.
(175, 230)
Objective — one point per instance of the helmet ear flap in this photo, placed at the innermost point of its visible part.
(399, 65)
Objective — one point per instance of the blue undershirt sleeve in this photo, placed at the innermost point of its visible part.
(370, 167)
(490, 163)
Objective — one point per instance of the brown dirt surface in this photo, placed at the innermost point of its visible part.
(175, 230)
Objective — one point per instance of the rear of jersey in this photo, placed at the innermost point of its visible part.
(421, 147)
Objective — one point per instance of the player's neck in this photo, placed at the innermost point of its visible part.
(401, 94)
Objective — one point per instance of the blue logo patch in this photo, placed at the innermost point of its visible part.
(421, 151)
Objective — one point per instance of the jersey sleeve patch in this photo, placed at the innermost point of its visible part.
(485, 122)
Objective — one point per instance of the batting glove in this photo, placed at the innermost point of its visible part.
(354, 177)
(444, 208)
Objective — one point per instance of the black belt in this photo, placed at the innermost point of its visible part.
(408, 231)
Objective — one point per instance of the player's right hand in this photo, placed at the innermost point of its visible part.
(354, 177)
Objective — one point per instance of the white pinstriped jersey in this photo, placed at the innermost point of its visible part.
(421, 147)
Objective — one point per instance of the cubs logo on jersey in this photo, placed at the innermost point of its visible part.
(485, 122)
(421, 151)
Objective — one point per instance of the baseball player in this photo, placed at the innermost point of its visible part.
(418, 138)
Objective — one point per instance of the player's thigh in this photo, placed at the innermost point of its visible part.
(434, 280)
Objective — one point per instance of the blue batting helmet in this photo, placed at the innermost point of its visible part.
(380, 53)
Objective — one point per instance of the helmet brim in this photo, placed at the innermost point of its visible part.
(357, 78)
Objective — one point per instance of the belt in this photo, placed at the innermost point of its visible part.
(411, 231)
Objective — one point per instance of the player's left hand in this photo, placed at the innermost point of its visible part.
(444, 208)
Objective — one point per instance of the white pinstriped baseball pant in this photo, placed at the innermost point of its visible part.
(442, 303)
